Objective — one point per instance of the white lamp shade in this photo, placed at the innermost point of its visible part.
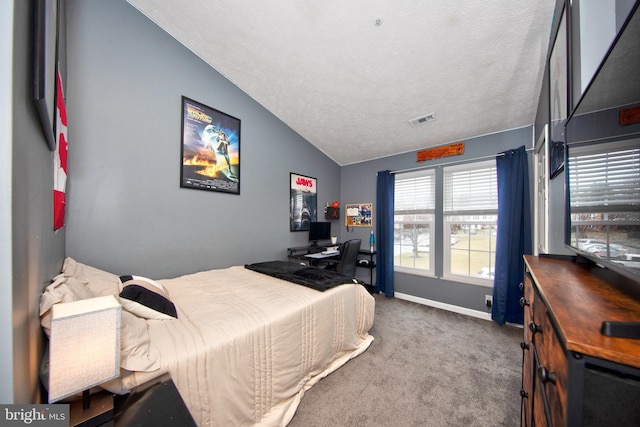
(84, 346)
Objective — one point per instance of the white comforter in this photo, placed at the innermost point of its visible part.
(246, 346)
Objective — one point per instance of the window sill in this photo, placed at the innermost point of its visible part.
(414, 271)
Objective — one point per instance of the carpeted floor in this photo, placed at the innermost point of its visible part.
(426, 367)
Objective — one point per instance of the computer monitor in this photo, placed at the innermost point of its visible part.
(319, 231)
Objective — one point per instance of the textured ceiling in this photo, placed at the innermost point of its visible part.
(349, 75)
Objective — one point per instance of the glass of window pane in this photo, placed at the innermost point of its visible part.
(412, 242)
(472, 246)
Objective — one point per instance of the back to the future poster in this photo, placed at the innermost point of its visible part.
(210, 149)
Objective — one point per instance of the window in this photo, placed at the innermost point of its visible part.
(414, 204)
(604, 199)
(470, 222)
(465, 218)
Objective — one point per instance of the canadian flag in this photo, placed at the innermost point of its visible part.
(60, 158)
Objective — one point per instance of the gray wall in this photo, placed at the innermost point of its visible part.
(359, 185)
(6, 356)
(126, 211)
(36, 251)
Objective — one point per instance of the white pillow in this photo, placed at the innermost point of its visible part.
(146, 298)
(63, 289)
(136, 351)
(99, 281)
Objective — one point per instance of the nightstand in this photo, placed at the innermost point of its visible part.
(99, 413)
(154, 404)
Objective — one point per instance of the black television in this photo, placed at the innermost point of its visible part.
(319, 231)
(602, 159)
(602, 176)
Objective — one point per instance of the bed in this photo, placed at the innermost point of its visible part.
(243, 347)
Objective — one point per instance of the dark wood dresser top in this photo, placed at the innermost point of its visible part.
(579, 301)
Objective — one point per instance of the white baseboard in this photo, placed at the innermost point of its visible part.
(444, 306)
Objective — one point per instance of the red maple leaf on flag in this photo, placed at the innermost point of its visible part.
(60, 158)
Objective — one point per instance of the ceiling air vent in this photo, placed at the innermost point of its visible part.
(422, 120)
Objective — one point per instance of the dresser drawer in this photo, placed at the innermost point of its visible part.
(551, 369)
(527, 302)
(528, 365)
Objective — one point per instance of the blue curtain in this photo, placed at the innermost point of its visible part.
(514, 235)
(384, 233)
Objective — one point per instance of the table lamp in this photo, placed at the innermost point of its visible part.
(84, 351)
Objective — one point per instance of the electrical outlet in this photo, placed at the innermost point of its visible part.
(488, 300)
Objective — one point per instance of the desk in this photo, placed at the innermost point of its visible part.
(322, 255)
(300, 252)
(313, 254)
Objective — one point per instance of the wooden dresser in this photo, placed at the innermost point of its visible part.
(572, 375)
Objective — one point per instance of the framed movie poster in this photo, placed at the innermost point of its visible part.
(303, 202)
(558, 98)
(45, 41)
(210, 149)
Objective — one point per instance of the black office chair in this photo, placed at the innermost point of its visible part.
(348, 260)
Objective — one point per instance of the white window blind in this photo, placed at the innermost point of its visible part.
(415, 193)
(414, 214)
(471, 190)
(605, 181)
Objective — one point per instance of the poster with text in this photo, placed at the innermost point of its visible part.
(210, 149)
(303, 202)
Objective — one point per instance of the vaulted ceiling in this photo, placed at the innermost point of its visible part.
(349, 76)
